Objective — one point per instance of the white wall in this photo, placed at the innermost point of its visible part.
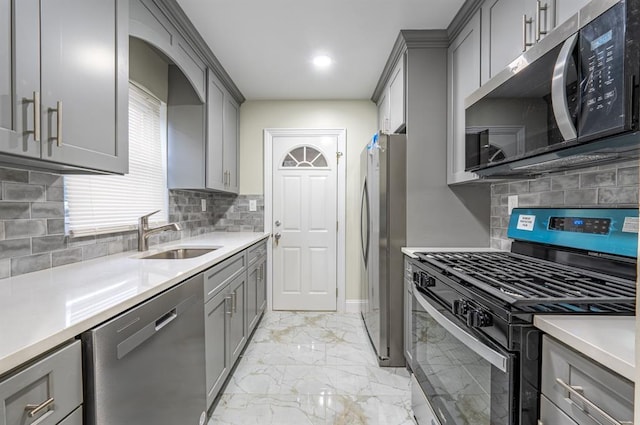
(358, 117)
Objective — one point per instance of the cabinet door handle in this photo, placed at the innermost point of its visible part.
(34, 409)
(525, 23)
(36, 116)
(577, 391)
(58, 111)
(234, 302)
(230, 311)
(539, 9)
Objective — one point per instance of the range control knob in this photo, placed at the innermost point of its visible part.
(459, 307)
(427, 281)
(477, 318)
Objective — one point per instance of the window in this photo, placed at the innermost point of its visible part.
(107, 204)
(304, 156)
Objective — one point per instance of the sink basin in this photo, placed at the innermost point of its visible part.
(179, 254)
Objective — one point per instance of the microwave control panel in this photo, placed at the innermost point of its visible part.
(602, 58)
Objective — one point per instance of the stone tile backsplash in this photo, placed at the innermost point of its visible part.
(614, 185)
(32, 234)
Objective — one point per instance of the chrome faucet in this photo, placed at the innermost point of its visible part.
(144, 232)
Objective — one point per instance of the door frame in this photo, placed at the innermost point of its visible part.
(341, 134)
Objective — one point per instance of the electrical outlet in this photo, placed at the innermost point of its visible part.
(204, 204)
(253, 205)
(512, 202)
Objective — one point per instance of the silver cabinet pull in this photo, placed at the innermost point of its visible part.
(36, 116)
(539, 9)
(230, 312)
(577, 392)
(525, 23)
(58, 110)
(234, 302)
(34, 409)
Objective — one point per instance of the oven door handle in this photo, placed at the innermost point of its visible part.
(495, 358)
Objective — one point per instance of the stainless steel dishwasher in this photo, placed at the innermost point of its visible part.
(147, 366)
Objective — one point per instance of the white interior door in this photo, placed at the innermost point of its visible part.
(304, 222)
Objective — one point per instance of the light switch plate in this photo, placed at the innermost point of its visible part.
(512, 202)
(253, 205)
(204, 204)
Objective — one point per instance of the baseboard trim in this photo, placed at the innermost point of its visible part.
(353, 306)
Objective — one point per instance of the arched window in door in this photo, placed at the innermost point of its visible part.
(304, 156)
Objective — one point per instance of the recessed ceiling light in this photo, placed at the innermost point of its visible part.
(322, 61)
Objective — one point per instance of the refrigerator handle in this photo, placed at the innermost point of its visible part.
(364, 239)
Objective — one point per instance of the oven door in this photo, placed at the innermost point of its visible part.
(466, 380)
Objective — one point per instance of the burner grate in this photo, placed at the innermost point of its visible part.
(526, 281)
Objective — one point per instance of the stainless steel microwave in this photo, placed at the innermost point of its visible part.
(570, 101)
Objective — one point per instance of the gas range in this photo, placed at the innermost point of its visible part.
(533, 285)
(480, 306)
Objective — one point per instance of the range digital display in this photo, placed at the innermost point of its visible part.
(597, 226)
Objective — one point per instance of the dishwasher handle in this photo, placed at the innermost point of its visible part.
(166, 318)
(135, 340)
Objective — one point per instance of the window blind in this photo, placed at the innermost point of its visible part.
(108, 204)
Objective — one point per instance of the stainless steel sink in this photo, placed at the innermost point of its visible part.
(179, 254)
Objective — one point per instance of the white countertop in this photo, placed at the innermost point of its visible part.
(40, 310)
(609, 340)
(410, 251)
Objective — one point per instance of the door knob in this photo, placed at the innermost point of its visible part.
(278, 223)
(277, 237)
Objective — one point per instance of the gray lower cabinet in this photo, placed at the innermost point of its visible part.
(64, 84)
(235, 298)
(225, 333)
(575, 389)
(256, 291)
(73, 419)
(262, 285)
(46, 391)
(216, 328)
(408, 310)
(238, 319)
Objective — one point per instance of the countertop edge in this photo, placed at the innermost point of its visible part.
(597, 353)
(29, 352)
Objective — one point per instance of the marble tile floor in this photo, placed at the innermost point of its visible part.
(313, 368)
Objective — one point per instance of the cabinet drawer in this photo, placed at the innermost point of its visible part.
(57, 377)
(220, 275)
(607, 390)
(551, 415)
(73, 419)
(256, 251)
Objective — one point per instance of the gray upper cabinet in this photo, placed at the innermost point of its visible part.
(203, 130)
(69, 66)
(509, 28)
(151, 24)
(222, 138)
(230, 144)
(464, 77)
(397, 97)
(215, 134)
(391, 104)
(564, 9)
(383, 112)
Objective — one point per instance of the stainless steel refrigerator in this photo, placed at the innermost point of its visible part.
(383, 234)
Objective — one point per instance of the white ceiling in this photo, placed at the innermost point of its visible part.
(267, 46)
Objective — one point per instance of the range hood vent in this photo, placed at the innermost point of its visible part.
(613, 149)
